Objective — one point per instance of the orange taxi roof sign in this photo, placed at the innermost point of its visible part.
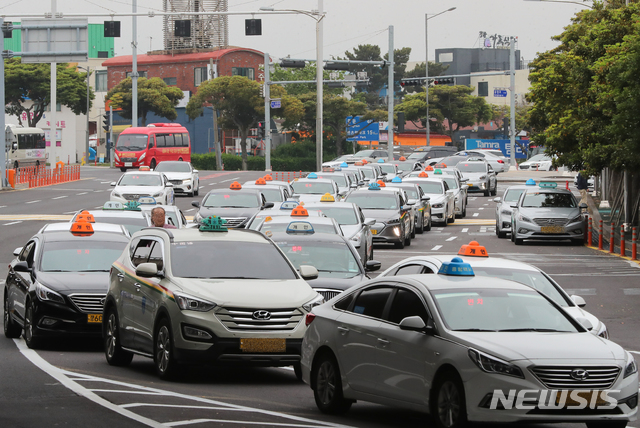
(441, 165)
(299, 211)
(381, 183)
(82, 228)
(428, 168)
(423, 175)
(358, 164)
(144, 168)
(235, 186)
(402, 159)
(86, 217)
(268, 178)
(473, 249)
(261, 181)
(364, 161)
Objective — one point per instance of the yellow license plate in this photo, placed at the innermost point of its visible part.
(552, 229)
(263, 345)
(374, 232)
(94, 318)
(587, 395)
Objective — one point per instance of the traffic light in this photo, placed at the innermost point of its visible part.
(444, 81)
(335, 84)
(411, 82)
(112, 28)
(290, 63)
(105, 122)
(336, 66)
(182, 28)
(400, 121)
(252, 27)
(261, 130)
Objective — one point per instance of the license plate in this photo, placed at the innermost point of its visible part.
(552, 229)
(374, 232)
(94, 318)
(263, 345)
(128, 164)
(587, 395)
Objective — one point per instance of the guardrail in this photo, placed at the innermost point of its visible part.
(37, 176)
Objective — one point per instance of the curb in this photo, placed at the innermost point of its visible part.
(614, 254)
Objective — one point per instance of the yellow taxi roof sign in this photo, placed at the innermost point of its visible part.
(327, 197)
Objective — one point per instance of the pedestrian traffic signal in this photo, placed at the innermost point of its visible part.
(290, 63)
(444, 81)
(401, 121)
(252, 27)
(411, 82)
(182, 28)
(261, 130)
(105, 122)
(112, 28)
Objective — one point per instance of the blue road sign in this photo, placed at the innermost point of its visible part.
(500, 93)
(502, 145)
(366, 130)
(276, 104)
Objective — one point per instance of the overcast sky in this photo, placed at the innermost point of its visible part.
(348, 23)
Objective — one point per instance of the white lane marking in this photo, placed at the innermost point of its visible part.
(59, 197)
(226, 421)
(105, 182)
(485, 205)
(70, 212)
(465, 230)
(32, 202)
(13, 222)
(179, 406)
(436, 248)
(452, 238)
(476, 214)
(80, 194)
(231, 179)
(3, 206)
(192, 209)
(98, 191)
(211, 184)
(480, 208)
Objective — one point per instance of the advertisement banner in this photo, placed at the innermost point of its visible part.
(502, 145)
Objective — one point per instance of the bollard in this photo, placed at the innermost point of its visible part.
(634, 238)
(600, 232)
(612, 236)
(622, 252)
(567, 184)
(590, 233)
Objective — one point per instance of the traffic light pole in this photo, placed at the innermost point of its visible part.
(267, 114)
(390, 96)
(111, 146)
(3, 142)
(512, 90)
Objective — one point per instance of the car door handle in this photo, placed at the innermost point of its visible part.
(120, 276)
(383, 342)
(343, 330)
(137, 286)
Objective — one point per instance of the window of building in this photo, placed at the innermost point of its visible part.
(199, 75)
(101, 81)
(140, 74)
(483, 89)
(243, 71)
(103, 54)
(58, 107)
(171, 81)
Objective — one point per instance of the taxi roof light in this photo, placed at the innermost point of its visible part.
(530, 182)
(423, 175)
(358, 164)
(288, 205)
(268, 177)
(381, 183)
(456, 267)
(300, 228)
(380, 160)
(299, 211)
(213, 224)
(85, 216)
(132, 206)
(548, 184)
(428, 168)
(402, 159)
(261, 181)
(473, 249)
(327, 197)
(144, 168)
(396, 180)
(374, 186)
(81, 228)
(344, 165)
(438, 172)
(235, 186)
(147, 200)
(312, 176)
(440, 165)
(113, 205)
(364, 161)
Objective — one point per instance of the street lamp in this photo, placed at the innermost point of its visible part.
(86, 147)
(426, 63)
(567, 1)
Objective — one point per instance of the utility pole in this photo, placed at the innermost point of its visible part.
(3, 141)
(267, 113)
(390, 94)
(134, 65)
(216, 138)
(319, 90)
(53, 140)
(512, 91)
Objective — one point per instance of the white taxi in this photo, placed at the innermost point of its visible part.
(182, 175)
(133, 185)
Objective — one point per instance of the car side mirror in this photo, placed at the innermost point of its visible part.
(360, 183)
(372, 265)
(308, 272)
(449, 192)
(147, 270)
(496, 199)
(168, 184)
(578, 301)
(369, 221)
(21, 267)
(195, 204)
(14, 147)
(411, 202)
(353, 186)
(405, 208)
(17, 251)
(269, 205)
(113, 183)
(196, 171)
(150, 146)
(414, 323)
(583, 206)
(426, 198)
(585, 323)
(383, 173)
(464, 179)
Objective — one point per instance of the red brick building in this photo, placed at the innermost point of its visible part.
(188, 70)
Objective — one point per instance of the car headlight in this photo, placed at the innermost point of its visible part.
(46, 294)
(602, 331)
(197, 218)
(576, 219)
(317, 301)
(116, 194)
(631, 366)
(157, 195)
(490, 364)
(394, 221)
(142, 157)
(440, 205)
(188, 303)
(482, 177)
(524, 218)
(187, 181)
(505, 212)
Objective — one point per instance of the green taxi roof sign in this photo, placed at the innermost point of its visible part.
(548, 185)
(213, 224)
(132, 206)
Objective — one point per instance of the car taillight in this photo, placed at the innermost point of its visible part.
(500, 161)
(309, 318)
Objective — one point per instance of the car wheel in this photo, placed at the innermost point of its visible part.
(518, 241)
(11, 329)
(30, 338)
(400, 244)
(327, 389)
(448, 406)
(513, 234)
(452, 218)
(428, 228)
(196, 190)
(115, 355)
(407, 240)
(413, 231)
(153, 164)
(464, 210)
(487, 192)
(494, 192)
(501, 234)
(297, 369)
(420, 230)
(371, 254)
(123, 169)
(166, 364)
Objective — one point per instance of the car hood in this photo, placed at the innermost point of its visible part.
(348, 230)
(178, 175)
(264, 293)
(336, 283)
(435, 197)
(227, 212)
(550, 212)
(309, 198)
(536, 162)
(473, 175)
(75, 282)
(543, 346)
(143, 190)
(381, 215)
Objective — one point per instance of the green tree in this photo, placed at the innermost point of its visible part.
(153, 96)
(285, 74)
(240, 105)
(33, 82)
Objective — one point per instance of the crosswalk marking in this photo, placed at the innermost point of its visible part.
(465, 230)
(452, 238)
(436, 248)
(476, 214)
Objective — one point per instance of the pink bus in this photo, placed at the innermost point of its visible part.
(151, 145)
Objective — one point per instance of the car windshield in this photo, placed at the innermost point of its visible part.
(533, 279)
(431, 187)
(140, 180)
(272, 195)
(453, 160)
(268, 226)
(231, 199)
(343, 215)
(340, 179)
(332, 259)
(363, 154)
(374, 200)
(548, 200)
(498, 309)
(416, 155)
(229, 260)
(412, 193)
(472, 166)
(452, 182)
(388, 168)
(131, 224)
(173, 167)
(312, 188)
(512, 195)
(134, 142)
(368, 173)
(80, 255)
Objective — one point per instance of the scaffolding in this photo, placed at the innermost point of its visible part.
(207, 32)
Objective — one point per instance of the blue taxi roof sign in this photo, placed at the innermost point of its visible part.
(213, 224)
(112, 205)
(132, 206)
(147, 200)
(380, 160)
(396, 180)
(313, 175)
(344, 165)
(548, 184)
(300, 228)
(374, 186)
(456, 267)
(530, 182)
(288, 205)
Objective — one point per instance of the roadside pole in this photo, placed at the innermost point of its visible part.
(267, 114)
(512, 92)
(112, 149)
(390, 94)
(3, 142)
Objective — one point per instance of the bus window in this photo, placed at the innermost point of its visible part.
(169, 140)
(178, 139)
(160, 140)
